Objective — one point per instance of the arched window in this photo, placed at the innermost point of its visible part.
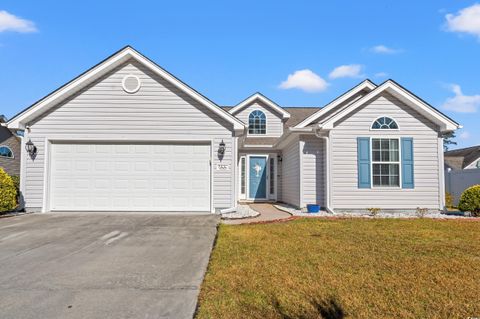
(384, 123)
(5, 151)
(257, 123)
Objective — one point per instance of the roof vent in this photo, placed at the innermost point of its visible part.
(131, 83)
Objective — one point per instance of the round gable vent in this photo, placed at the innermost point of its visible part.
(131, 83)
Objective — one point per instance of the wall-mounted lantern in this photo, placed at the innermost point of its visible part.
(279, 159)
(221, 148)
(31, 149)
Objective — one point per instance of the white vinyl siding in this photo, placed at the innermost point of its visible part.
(157, 112)
(291, 174)
(313, 170)
(274, 120)
(345, 191)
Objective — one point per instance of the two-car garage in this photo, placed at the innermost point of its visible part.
(113, 176)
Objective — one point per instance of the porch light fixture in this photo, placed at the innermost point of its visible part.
(221, 148)
(279, 159)
(31, 148)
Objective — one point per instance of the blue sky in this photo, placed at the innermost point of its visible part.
(299, 53)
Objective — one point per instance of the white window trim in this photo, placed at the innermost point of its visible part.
(399, 162)
(13, 154)
(382, 129)
(242, 195)
(266, 123)
(273, 196)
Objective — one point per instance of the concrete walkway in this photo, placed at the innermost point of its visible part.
(268, 213)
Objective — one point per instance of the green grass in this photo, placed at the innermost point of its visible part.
(357, 268)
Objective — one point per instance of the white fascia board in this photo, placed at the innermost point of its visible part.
(393, 88)
(109, 64)
(265, 100)
(471, 162)
(367, 84)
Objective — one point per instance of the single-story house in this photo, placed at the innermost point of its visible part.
(10, 152)
(126, 135)
(463, 158)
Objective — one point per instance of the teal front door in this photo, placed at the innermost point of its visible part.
(258, 177)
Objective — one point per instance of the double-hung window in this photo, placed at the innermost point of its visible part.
(385, 162)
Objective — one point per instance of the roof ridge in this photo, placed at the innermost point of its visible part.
(463, 149)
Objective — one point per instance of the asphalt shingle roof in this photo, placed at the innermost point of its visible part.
(461, 158)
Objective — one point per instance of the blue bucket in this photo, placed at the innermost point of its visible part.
(313, 208)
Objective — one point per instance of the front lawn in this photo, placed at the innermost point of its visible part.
(354, 268)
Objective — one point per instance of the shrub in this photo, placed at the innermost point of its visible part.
(374, 211)
(448, 200)
(470, 200)
(8, 192)
(16, 181)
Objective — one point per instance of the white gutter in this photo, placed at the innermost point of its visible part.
(328, 205)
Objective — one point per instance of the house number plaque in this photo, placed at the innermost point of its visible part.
(223, 167)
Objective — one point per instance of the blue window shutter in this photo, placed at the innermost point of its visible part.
(407, 163)
(363, 158)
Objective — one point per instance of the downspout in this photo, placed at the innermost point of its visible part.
(326, 139)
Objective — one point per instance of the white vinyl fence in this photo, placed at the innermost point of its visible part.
(457, 181)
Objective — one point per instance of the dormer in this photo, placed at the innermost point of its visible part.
(263, 116)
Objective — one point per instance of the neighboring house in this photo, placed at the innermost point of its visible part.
(128, 136)
(462, 170)
(463, 158)
(10, 146)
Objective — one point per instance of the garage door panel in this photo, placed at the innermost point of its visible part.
(128, 177)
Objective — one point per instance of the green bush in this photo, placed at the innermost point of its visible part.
(8, 192)
(470, 200)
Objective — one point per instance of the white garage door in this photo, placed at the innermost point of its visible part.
(130, 177)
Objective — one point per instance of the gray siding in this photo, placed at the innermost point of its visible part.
(274, 120)
(158, 111)
(313, 170)
(10, 165)
(291, 174)
(346, 194)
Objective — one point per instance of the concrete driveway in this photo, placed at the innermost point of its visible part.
(103, 266)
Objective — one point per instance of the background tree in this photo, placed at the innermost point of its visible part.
(448, 140)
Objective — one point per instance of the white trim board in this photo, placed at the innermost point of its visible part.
(445, 123)
(263, 99)
(42, 106)
(365, 85)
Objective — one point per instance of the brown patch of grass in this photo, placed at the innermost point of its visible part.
(354, 268)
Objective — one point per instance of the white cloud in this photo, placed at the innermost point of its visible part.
(461, 103)
(382, 49)
(465, 135)
(466, 20)
(347, 71)
(305, 80)
(9, 22)
(381, 75)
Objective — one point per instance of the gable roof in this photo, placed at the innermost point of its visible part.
(116, 59)
(366, 85)
(444, 122)
(463, 157)
(259, 96)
